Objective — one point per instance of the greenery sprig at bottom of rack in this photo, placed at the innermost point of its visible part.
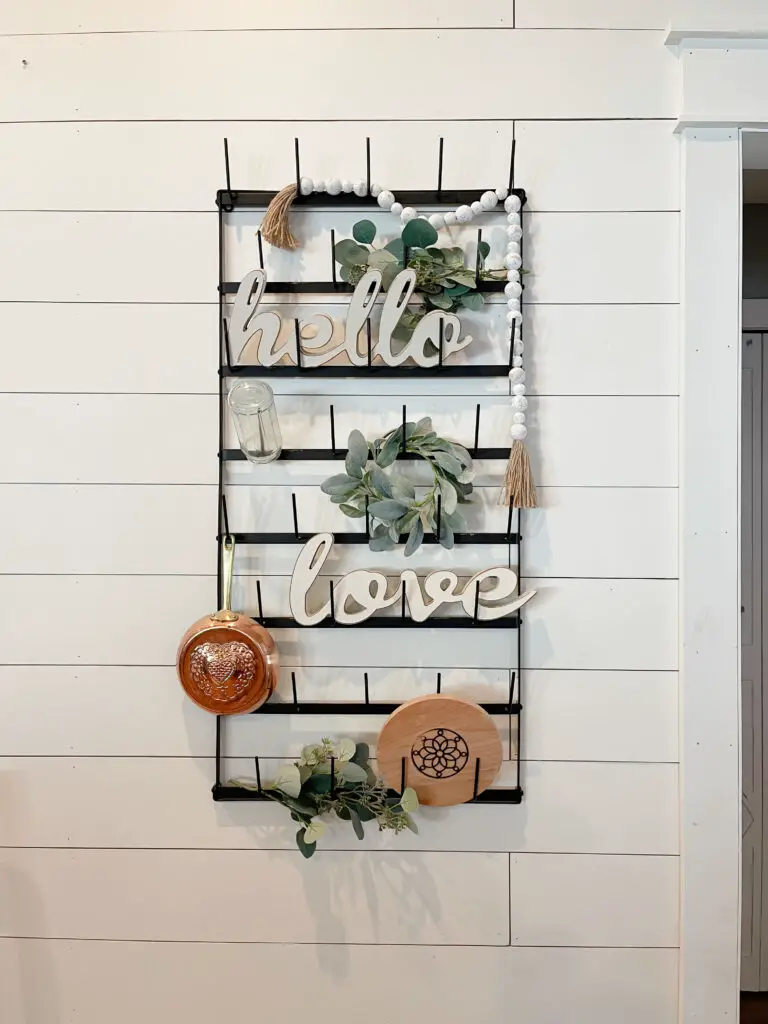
(389, 498)
(336, 778)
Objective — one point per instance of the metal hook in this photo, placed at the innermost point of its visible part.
(293, 687)
(368, 165)
(477, 601)
(227, 350)
(402, 777)
(477, 778)
(440, 342)
(437, 517)
(512, 165)
(403, 437)
(512, 675)
(295, 515)
(225, 518)
(297, 331)
(439, 681)
(509, 521)
(258, 773)
(333, 607)
(333, 775)
(367, 520)
(368, 332)
(258, 601)
(365, 680)
(477, 429)
(440, 169)
(226, 165)
(298, 166)
(333, 256)
(478, 256)
(261, 249)
(333, 431)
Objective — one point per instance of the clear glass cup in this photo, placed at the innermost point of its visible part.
(252, 404)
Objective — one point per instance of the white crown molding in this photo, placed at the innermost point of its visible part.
(712, 23)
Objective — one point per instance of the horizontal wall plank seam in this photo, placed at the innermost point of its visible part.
(265, 942)
(246, 30)
(172, 664)
(288, 757)
(339, 120)
(331, 853)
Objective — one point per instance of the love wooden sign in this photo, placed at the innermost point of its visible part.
(362, 592)
(316, 334)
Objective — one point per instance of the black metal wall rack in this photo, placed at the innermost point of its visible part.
(228, 201)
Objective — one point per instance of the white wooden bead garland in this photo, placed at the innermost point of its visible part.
(518, 488)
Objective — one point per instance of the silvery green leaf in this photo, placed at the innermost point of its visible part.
(379, 480)
(352, 511)
(446, 535)
(357, 824)
(449, 497)
(341, 483)
(353, 467)
(456, 521)
(288, 779)
(307, 849)
(364, 231)
(394, 531)
(358, 447)
(411, 824)
(448, 462)
(401, 486)
(415, 537)
(389, 451)
(466, 476)
(380, 540)
(380, 258)
(388, 509)
(460, 452)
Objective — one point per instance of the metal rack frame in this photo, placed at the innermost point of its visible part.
(229, 200)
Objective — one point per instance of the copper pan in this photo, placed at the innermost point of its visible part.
(226, 662)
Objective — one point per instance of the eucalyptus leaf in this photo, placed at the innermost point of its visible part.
(357, 825)
(288, 780)
(411, 824)
(446, 534)
(345, 749)
(415, 537)
(314, 831)
(381, 258)
(387, 509)
(364, 231)
(472, 300)
(409, 801)
(437, 255)
(380, 541)
(307, 849)
(456, 290)
(365, 813)
(440, 301)
(418, 233)
(352, 467)
(319, 782)
(484, 249)
(361, 754)
(464, 277)
(388, 274)
(352, 772)
(350, 254)
(424, 425)
(397, 248)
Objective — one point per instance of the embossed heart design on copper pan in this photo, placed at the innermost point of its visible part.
(226, 662)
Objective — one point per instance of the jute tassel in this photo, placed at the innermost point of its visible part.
(518, 488)
(276, 226)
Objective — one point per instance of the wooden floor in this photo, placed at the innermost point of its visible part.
(754, 1008)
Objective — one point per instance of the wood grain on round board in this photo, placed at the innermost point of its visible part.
(441, 740)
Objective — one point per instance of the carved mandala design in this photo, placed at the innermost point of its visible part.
(440, 754)
(222, 671)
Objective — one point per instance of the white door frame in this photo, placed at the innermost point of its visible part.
(723, 53)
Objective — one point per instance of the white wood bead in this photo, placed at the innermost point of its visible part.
(396, 208)
(347, 185)
(513, 219)
(519, 402)
(514, 232)
(512, 289)
(437, 220)
(385, 199)
(512, 204)
(518, 347)
(517, 360)
(518, 432)
(305, 186)
(518, 389)
(375, 190)
(513, 261)
(464, 214)
(450, 219)
(319, 185)
(360, 188)
(488, 200)
(513, 274)
(333, 188)
(501, 194)
(518, 417)
(477, 207)
(408, 214)
(512, 316)
(517, 376)
(513, 305)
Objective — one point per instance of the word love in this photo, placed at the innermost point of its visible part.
(362, 592)
(247, 321)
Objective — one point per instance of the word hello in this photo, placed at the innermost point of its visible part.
(247, 321)
(362, 592)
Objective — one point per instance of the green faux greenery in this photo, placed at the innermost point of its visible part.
(393, 507)
(353, 793)
(443, 281)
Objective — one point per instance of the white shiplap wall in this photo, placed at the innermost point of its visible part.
(562, 909)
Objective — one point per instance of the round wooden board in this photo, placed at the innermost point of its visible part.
(442, 740)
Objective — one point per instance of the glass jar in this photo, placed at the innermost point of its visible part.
(258, 429)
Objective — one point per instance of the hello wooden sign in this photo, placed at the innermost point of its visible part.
(248, 320)
(362, 592)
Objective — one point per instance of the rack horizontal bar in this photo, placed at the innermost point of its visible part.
(376, 370)
(395, 622)
(242, 199)
(360, 538)
(489, 796)
(323, 287)
(357, 708)
(329, 455)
